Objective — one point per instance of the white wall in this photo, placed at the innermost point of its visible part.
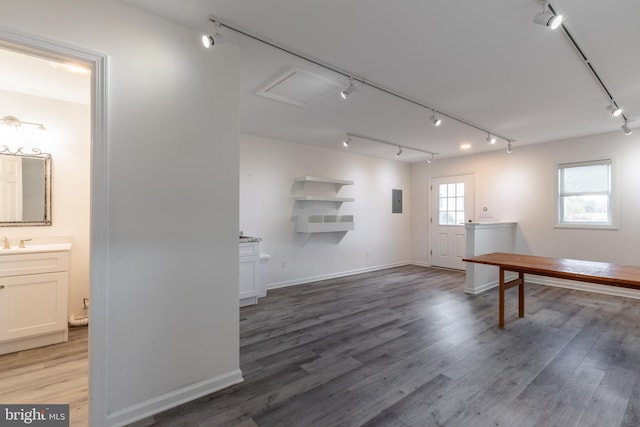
(520, 186)
(268, 169)
(171, 307)
(68, 140)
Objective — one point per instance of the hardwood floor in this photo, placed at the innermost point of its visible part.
(53, 374)
(396, 348)
(406, 347)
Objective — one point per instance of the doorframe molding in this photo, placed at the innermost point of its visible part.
(99, 216)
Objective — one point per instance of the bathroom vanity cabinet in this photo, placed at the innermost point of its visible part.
(33, 297)
(250, 288)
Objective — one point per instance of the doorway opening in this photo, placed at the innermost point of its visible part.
(87, 147)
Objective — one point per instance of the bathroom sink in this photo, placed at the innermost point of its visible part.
(53, 247)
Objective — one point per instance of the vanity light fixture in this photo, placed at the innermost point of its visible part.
(217, 38)
(435, 120)
(614, 109)
(399, 151)
(16, 123)
(345, 93)
(491, 139)
(626, 129)
(547, 18)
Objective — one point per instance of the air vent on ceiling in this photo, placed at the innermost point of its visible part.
(297, 87)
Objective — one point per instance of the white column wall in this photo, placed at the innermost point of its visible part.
(172, 121)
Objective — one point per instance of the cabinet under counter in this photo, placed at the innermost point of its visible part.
(33, 297)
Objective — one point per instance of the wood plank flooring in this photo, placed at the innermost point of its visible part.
(53, 374)
(396, 348)
(406, 347)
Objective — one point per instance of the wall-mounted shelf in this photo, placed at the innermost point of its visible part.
(324, 223)
(324, 199)
(318, 221)
(324, 180)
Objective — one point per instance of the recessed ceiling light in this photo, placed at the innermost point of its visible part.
(465, 146)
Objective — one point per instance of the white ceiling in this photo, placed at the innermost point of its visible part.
(483, 61)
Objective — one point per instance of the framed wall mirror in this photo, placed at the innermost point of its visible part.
(25, 189)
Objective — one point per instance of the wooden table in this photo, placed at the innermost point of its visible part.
(603, 273)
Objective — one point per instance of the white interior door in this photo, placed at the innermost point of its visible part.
(451, 207)
(10, 188)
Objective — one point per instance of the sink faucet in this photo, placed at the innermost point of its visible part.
(5, 243)
(21, 245)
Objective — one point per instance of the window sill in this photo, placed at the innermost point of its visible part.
(588, 226)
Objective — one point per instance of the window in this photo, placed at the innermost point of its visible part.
(451, 206)
(584, 193)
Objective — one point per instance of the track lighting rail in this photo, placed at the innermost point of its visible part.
(353, 78)
(588, 64)
(393, 144)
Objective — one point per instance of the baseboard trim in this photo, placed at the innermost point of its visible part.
(172, 399)
(583, 286)
(529, 278)
(479, 289)
(310, 279)
(489, 285)
(420, 263)
(561, 283)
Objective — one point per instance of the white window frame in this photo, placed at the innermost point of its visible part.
(612, 223)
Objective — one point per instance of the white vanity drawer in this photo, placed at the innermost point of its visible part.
(34, 263)
(250, 249)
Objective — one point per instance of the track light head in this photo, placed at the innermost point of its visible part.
(491, 139)
(429, 161)
(614, 109)
(626, 129)
(399, 151)
(547, 18)
(212, 40)
(509, 149)
(345, 93)
(435, 120)
(346, 142)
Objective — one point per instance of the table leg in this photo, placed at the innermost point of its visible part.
(501, 302)
(521, 295)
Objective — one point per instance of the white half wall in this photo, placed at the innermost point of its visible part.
(68, 140)
(268, 169)
(171, 303)
(520, 187)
